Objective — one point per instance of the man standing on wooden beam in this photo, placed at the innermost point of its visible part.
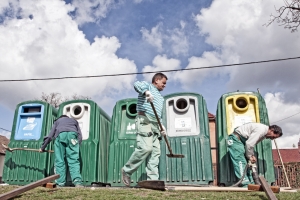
(148, 132)
(241, 145)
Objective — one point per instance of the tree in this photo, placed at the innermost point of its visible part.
(287, 15)
(55, 98)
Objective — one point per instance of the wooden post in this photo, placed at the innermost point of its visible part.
(286, 177)
(30, 186)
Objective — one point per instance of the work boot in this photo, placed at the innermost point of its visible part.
(125, 178)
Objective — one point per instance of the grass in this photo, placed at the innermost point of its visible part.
(133, 194)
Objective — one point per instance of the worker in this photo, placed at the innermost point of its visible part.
(148, 132)
(68, 137)
(241, 145)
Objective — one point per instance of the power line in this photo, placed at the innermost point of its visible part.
(286, 117)
(126, 74)
(5, 129)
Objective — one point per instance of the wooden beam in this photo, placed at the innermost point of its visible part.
(253, 187)
(217, 189)
(287, 189)
(152, 184)
(267, 189)
(30, 186)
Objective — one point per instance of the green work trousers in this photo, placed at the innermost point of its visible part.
(66, 146)
(237, 155)
(147, 148)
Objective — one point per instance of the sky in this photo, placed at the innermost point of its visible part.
(43, 39)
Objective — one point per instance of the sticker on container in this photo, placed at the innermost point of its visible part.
(130, 126)
(30, 124)
(241, 119)
(130, 129)
(30, 119)
(183, 123)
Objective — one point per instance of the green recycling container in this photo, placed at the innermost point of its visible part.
(32, 121)
(185, 117)
(123, 142)
(235, 109)
(95, 127)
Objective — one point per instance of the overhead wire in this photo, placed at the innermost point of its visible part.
(137, 73)
(4, 129)
(286, 118)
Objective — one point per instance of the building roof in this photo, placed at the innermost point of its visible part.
(3, 140)
(211, 116)
(287, 155)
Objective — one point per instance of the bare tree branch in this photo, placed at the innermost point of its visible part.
(287, 15)
(55, 98)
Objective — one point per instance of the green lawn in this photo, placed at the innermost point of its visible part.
(133, 193)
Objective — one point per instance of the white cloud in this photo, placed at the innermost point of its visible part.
(182, 24)
(190, 78)
(230, 18)
(91, 10)
(286, 142)
(50, 45)
(161, 63)
(154, 37)
(283, 115)
(235, 29)
(179, 42)
(138, 1)
(173, 41)
(3, 4)
(5, 133)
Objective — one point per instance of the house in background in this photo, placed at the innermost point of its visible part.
(3, 140)
(291, 160)
(213, 145)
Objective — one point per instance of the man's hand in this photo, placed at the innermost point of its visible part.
(163, 132)
(252, 159)
(149, 96)
(41, 151)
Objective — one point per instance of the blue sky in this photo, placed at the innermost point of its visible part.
(42, 39)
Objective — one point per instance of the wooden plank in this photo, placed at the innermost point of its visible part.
(217, 189)
(30, 186)
(287, 189)
(267, 189)
(152, 184)
(253, 187)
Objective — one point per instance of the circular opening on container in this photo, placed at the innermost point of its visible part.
(181, 105)
(131, 109)
(241, 103)
(77, 110)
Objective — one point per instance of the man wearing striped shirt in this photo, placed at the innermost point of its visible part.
(148, 133)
